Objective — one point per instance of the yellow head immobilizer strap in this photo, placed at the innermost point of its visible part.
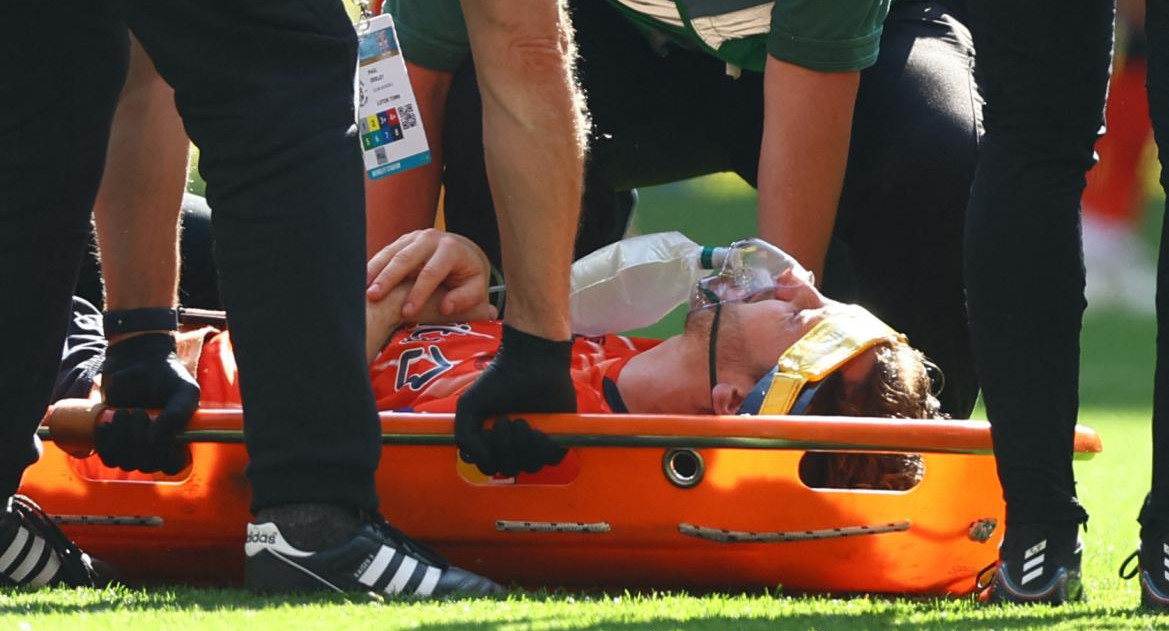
(833, 342)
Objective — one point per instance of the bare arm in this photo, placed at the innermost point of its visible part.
(533, 134)
(806, 130)
(137, 208)
(404, 202)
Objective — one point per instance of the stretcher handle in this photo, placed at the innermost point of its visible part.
(70, 424)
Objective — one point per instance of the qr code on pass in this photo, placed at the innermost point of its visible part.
(407, 115)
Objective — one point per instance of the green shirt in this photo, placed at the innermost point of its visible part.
(825, 35)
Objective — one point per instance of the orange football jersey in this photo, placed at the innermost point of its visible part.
(425, 367)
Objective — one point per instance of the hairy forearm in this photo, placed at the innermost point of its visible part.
(137, 208)
(806, 130)
(404, 202)
(534, 129)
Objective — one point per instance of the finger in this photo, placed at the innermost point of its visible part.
(430, 312)
(465, 296)
(167, 454)
(789, 278)
(469, 436)
(120, 442)
(405, 262)
(180, 407)
(550, 451)
(106, 438)
(478, 313)
(175, 459)
(382, 257)
(139, 455)
(526, 446)
(501, 441)
(539, 449)
(433, 273)
(378, 262)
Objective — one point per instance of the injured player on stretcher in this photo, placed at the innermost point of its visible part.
(788, 350)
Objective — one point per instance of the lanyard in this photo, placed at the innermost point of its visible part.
(365, 12)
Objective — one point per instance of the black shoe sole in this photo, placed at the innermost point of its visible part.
(1151, 600)
(1065, 588)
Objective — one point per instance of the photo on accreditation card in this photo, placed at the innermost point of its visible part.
(377, 45)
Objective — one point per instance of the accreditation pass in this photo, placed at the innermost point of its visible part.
(392, 138)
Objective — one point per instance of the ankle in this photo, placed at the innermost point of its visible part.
(313, 526)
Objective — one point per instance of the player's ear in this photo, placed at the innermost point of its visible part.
(727, 398)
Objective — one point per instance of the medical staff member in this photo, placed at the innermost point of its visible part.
(266, 91)
(676, 90)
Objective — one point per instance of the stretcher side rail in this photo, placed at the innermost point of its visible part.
(71, 424)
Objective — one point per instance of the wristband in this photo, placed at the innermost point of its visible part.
(138, 320)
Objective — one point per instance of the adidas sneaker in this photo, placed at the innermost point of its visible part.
(378, 559)
(1153, 568)
(1039, 563)
(34, 552)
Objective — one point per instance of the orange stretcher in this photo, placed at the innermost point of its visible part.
(661, 502)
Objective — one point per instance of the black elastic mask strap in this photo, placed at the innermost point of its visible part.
(805, 398)
(713, 354)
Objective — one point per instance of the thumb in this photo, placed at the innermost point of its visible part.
(478, 313)
(469, 432)
(464, 297)
(179, 408)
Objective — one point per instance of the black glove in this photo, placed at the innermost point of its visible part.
(530, 374)
(145, 372)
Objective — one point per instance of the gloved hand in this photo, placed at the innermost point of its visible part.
(145, 372)
(529, 374)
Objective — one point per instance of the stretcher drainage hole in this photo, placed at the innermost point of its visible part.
(683, 467)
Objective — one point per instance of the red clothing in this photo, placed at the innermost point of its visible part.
(424, 368)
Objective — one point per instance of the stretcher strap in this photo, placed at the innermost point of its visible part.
(107, 520)
(737, 536)
(598, 528)
(834, 341)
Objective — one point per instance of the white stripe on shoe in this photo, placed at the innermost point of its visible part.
(46, 574)
(1032, 562)
(1165, 549)
(1035, 549)
(14, 549)
(1033, 559)
(429, 582)
(405, 571)
(34, 556)
(377, 566)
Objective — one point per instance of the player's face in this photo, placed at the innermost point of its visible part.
(772, 326)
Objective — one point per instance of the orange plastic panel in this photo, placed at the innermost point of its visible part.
(192, 525)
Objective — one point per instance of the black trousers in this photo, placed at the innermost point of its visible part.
(1043, 66)
(1155, 516)
(265, 89)
(658, 119)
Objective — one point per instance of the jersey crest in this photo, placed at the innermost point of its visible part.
(420, 366)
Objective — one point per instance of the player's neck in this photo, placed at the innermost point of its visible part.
(665, 380)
